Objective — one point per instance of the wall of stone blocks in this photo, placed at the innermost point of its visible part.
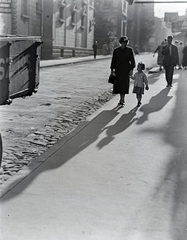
(28, 24)
(77, 35)
(35, 19)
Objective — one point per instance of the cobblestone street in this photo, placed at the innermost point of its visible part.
(66, 96)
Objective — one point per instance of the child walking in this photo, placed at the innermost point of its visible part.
(140, 79)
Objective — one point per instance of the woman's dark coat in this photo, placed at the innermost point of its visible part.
(122, 62)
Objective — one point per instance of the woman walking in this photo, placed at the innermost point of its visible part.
(160, 56)
(122, 66)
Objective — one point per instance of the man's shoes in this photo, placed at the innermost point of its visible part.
(167, 85)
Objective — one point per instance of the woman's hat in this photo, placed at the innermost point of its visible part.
(123, 39)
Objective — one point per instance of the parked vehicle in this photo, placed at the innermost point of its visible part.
(19, 69)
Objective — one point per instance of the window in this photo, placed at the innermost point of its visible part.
(73, 15)
(124, 5)
(91, 24)
(84, 14)
(62, 3)
(83, 3)
(61, 14)
(62, 6)
(83, 19)
(123, 28)
(39, 6)
(92, 2)
(108, 3)
(24, 10)
(24, 5)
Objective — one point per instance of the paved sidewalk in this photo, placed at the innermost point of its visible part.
(66, 61)
(108, 179)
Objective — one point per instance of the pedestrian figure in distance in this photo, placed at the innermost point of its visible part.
(176, 43)
(140, 79)
(171, 59)
(160, 56)
(136, 50)
(122, 66)
(95, 45)
(180, 50)
(105, 49)
(184, 61)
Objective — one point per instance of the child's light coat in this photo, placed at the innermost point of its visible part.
(140, 79)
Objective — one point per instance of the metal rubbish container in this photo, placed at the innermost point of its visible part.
(19, 68)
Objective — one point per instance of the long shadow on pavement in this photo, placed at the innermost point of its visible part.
(156, 103)
(173, 185)
(153, 78)
(175, 134)
(66, 150)
(121, 125)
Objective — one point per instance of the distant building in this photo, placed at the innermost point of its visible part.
(178, 27)
(115, 11)
(140, 23)
(111, 22)
(161, 31)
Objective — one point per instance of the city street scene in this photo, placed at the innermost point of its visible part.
(82, 158)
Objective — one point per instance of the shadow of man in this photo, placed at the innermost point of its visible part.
(155, 104)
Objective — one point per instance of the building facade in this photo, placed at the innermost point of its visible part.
(115, 12)
(66, 26)
(23, 18)
(177, 25)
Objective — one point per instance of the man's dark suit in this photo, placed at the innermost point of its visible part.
(171, 59)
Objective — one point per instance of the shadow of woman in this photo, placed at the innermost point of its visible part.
(155, 104)
(63, 151)
(121, 125)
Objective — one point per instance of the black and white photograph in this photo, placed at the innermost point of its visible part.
(93, 119)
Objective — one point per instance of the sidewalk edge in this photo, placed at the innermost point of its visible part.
(25, 171)
(74, 62)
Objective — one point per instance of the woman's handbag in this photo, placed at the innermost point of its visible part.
(112, 78)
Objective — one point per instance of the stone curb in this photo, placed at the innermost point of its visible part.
(74, 61)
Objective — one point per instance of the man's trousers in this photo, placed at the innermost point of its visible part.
(169, 69)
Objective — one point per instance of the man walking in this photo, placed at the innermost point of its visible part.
(171, 59)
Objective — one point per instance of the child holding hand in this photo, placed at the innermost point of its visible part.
(140, 79)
